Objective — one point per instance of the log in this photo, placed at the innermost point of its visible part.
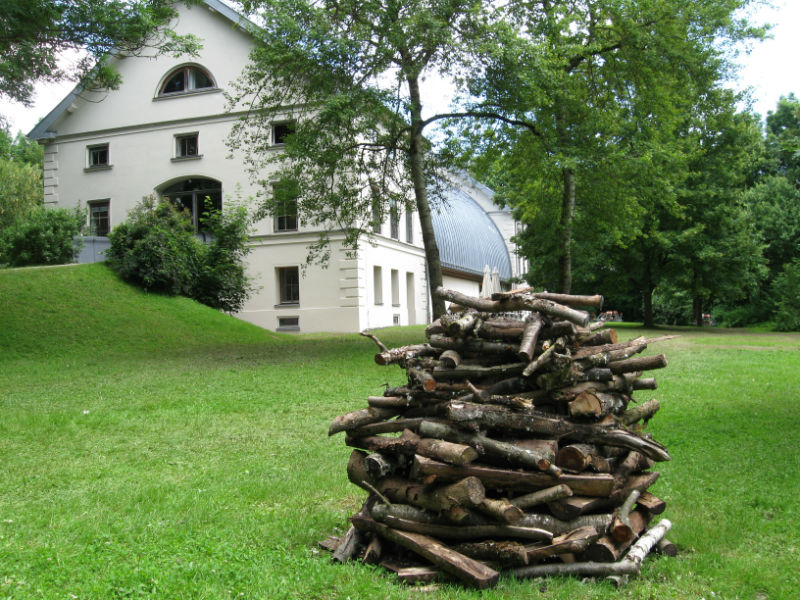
(463, 324)
(586, 350)
(506, 479)
(642, 547)
(498, 417)
(640, 363)
(456, 454)
(404, 353)
(387, 427)
(533, 325)
(573, 507)
(635, 482)
(642, 412)
(652, 504)
(412, 575)
(591, 569)
(378, 466)
(596, 404)
(666, 548)
(347, 548)
(572, 542)
(470, 532)
(422, 378)
(544, 496)
(358, 418)
(572, 300)
(502, 510)
(472, 345)
(331, 543)
(475, 372)
(507, 553)
(599, 521)
(599, 338)
(515, 303)
(576, 458)
(510, 452)
(450, 359)
(621, 527)
(404, 444)
(609, 549)
(372, 554)
(544, 357)
(394, 402)
(448, 560)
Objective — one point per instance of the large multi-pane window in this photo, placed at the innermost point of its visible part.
(285, 211)
(195, 195)
(98, 217)
(288, 285)
(186, 79)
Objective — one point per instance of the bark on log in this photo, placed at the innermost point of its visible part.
(573, 300)
(600, 522)
(422, 378)
(652, 504)
(506, 479)
(621, 527)
(463, 324)
(597, 404)
(505, 450)
(544, 357)
(358, 418)
(378, 466)
(645, 543)
(512, 554)
(472, 345)
(456, 564)
(387, 427)
(470, 532)
(498, 417)
(635, 482)
(544, 496)
(599, 338)
(642, 412)
(640, 363)
(533, 325)
(573, 542)
(577, 458)
(666, 548)
(474, 372)
(519, 302)
(372, 554)
(404, 444)
(395, 402)
(450, 359)
(401, 355)
(456, 454)
(567, 509)
(412, 575)
(502, 510)
(608, 549)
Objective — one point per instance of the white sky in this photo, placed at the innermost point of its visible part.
(768, 70)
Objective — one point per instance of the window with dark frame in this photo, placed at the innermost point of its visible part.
(98, 218)
(394, 221)
(288, 285)
(280, 131)
(186, 146)
(98, 156)
(186, 79)
(285, 212)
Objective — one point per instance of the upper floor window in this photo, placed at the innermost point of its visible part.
(186, 79)
(280, 131)
(186, 146)
(97, 157)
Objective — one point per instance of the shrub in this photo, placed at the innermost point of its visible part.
(42, 236)
(158, 250)
(155, 248)
(786, 292)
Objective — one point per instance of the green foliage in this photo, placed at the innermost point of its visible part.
(157, 249)
(786, 293)
(35, 33)
(20, 191)
(42, 236)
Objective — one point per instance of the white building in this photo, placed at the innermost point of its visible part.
(164, 130)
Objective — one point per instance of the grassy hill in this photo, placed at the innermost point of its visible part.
(154, 448)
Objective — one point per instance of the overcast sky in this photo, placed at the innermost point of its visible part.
(769, 69)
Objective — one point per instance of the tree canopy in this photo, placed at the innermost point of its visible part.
(34, 34)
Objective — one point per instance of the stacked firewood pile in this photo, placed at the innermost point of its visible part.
(516, 446)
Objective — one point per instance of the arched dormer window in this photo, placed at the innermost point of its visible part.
(185, 80)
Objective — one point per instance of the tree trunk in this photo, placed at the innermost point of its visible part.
(567, 216)
(697, 311)
(416, 161)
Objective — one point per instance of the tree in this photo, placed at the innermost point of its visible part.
(20, 177)
(35, 33)
(347, 74)
(604, 84)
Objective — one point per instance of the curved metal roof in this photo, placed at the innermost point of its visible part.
(467, 237)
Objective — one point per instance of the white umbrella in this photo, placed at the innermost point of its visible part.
(496, 281)
(487, 283)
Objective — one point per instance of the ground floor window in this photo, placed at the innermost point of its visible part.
(98, 217)
(288, 285)
(195, 195)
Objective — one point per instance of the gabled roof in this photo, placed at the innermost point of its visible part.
(42, 130)
(467, 237)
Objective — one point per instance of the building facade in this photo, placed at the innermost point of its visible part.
(164, 132)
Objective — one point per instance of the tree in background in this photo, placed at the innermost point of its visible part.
(347, 74)
(35, 33)
(20, 177)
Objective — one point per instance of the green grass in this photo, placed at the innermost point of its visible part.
(154, 448)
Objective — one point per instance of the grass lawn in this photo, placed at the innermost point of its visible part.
(153, 448)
